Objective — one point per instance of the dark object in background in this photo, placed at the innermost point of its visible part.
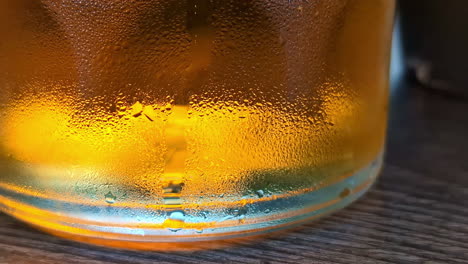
(435, 41)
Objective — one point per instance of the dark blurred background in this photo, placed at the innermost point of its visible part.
(431, 45)
(428, 120)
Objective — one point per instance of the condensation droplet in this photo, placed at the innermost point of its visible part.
(149, 112)
(177, 216)
(136, 109)
(260, 193)
(345, 193)
(110, 197)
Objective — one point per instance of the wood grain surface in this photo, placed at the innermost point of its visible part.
(417, 212)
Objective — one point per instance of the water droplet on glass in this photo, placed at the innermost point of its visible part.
(136, 109)
(177, 216)
(110, 198)
(260, 193)
(149, 112)
(239, 212)
(346, 192)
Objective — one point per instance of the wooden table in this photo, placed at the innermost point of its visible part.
(417, 213)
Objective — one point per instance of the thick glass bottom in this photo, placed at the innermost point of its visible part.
(143, 228)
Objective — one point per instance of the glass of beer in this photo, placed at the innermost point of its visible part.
(139, 122)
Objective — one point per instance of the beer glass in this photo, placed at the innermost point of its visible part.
(189, 120)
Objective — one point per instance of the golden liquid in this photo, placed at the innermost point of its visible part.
(180, 103)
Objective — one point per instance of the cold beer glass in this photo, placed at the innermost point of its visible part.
(189, 120)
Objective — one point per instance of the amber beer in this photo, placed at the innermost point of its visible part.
(153, 120)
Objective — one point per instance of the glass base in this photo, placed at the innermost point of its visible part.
(124, 227)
